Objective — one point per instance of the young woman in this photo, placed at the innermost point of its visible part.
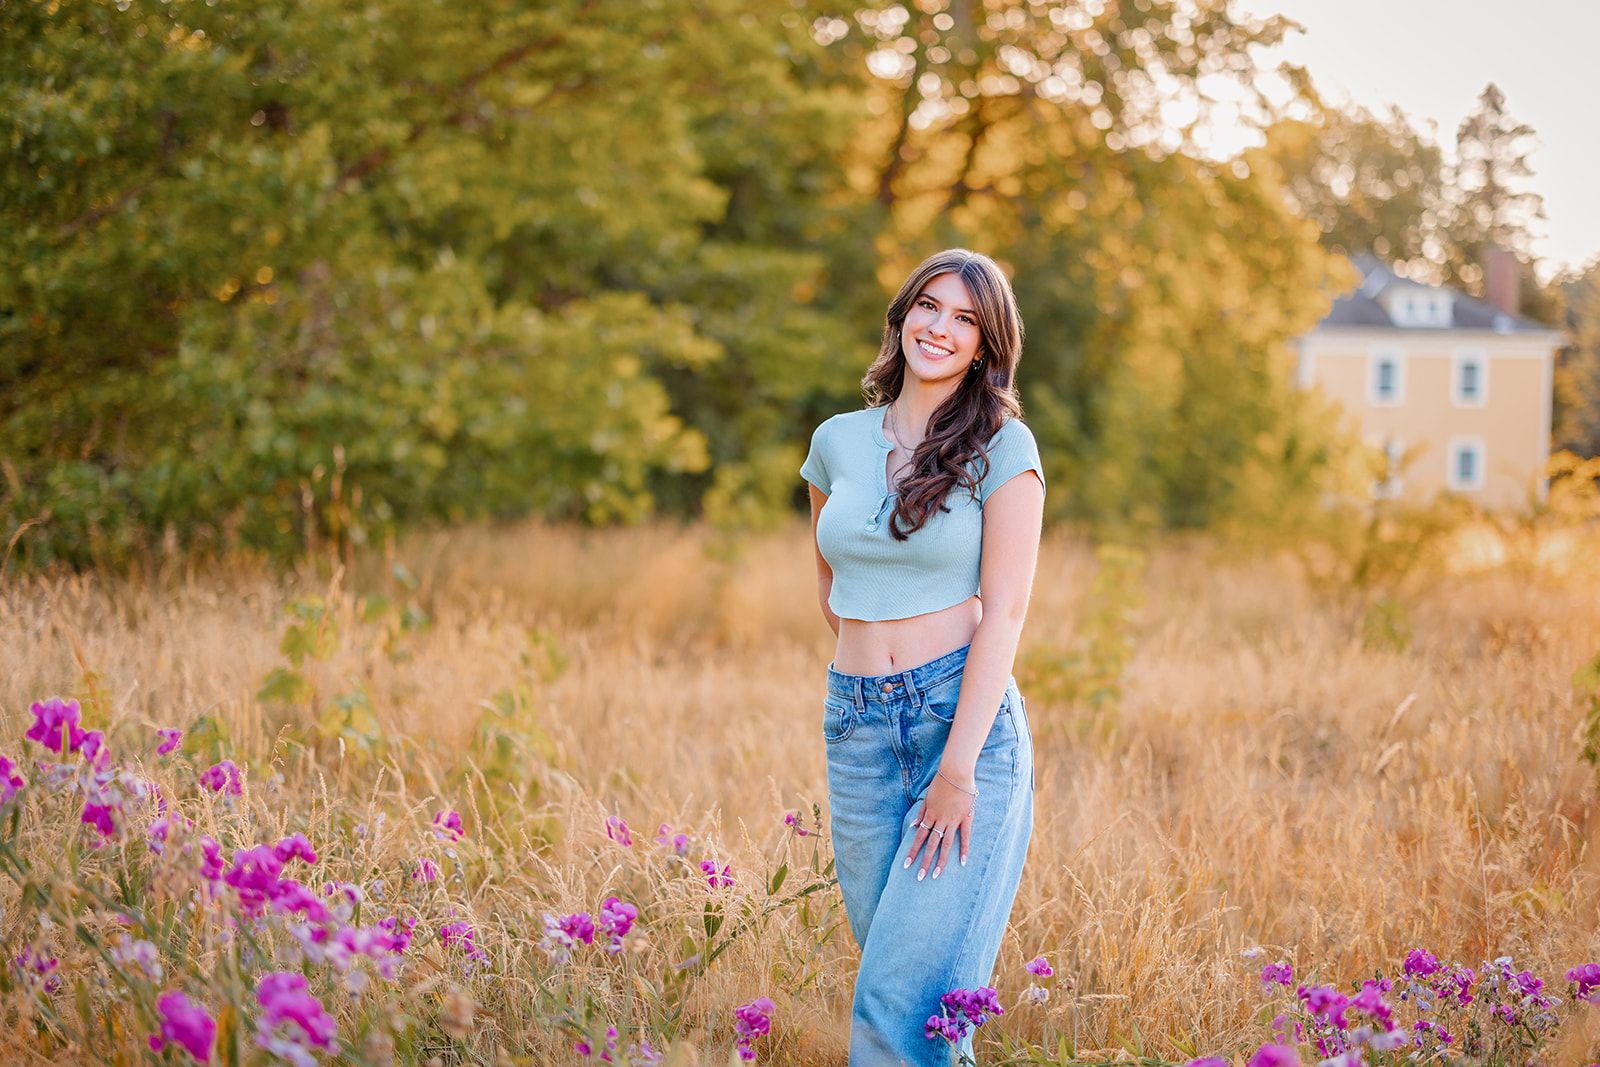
(925, 510)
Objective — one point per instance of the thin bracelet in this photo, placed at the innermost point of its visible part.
(973, 792)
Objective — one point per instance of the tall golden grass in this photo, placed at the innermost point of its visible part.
(1268, 780)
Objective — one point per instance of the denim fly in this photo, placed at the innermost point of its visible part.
(919, 940)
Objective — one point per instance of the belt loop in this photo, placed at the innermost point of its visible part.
(861, 702)
(909, 678)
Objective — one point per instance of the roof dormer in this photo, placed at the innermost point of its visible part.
(1413, 305)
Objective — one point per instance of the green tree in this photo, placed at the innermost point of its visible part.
(1578, 374)
(1371, 184)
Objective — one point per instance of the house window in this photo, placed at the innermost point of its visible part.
(1386, 378)
(1466, 464)
(1469, 378)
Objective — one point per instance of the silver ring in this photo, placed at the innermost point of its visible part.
(923, 826)
(936, 831)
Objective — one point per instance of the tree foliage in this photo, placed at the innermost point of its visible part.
(287, 270)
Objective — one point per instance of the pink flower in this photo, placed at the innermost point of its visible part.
(54, 721)
(294, 847)
(616, 919)
(185, 1025)
(35, 970)
(617, 830)
(425, 871)
(211, 864)
(1275, 1056)
(792, 821)
(1208, 1061)
(604, 1055)
(461, 935)
(713, 879)
(99, 817)
(292, 1021)
(254, 875)
(1280, 973)
(447, 826)
(678, 843)
(170, 740)
(94, 750)
(223, 778)
(10, 780)
(1587, 977)
(750, 1021)
(1039, 966)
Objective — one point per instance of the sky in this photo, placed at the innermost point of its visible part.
(1432, 58)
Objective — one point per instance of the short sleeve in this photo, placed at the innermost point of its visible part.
(815, 468)
(1011, 452)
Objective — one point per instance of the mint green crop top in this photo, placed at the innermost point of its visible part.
(876, 577)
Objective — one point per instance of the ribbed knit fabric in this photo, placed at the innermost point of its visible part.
(876, 577)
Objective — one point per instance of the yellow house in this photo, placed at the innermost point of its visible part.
(1455, 390)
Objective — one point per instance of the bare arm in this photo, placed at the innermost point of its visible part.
(824, 572)
(1011, 522)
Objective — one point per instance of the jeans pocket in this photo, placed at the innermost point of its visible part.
(838, 719)
(940, 699)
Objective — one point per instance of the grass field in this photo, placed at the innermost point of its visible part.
(1277, 774)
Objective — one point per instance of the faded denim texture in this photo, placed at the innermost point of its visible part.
(919, 940)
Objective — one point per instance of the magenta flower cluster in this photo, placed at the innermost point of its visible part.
(617, 830)
(677, 844)
(189, 1026)
(752, 1020)
(1276, 974)
(55, 726)
(1039, 966)
(792, 821)
(563, 934)
(224, 778)
(1587, 979)
(461, 935)
(10, 780)
(170, 740)
(447, 826)
(292, 1022)
(962, 1012)
(714, 879)
(36, 971)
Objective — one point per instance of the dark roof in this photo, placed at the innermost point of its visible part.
(1363, 307)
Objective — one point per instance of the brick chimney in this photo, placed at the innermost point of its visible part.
(1502, 280)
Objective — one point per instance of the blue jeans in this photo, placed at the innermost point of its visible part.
(919, 940)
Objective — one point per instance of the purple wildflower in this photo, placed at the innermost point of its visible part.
(425, 871)
(223, 778)
(170, 740)
(617, 830)
(1208, 1061)
(295, 847)
(10, 780)
(713, 879)
(1040, 966)
(1274, 1056)
(604, 1055)
(1326, 1004)
(142, 955)
(185, 1025)
(750, 1021)
(1587, 977)
(1279, 973)
(292, 1021)
(99, 817)
(616, 919)
(211, 865)
(54, 721)
(447, 826)
(964, 1010)
(1420, 964)
(462, 936)
(254, 875)
(35, 970)
(792, 821)
(678, 843)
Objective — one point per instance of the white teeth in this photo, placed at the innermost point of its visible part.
(934, 350)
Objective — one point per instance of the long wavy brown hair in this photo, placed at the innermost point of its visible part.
(954, 451)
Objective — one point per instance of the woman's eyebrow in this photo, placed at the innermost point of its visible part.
(925, 295)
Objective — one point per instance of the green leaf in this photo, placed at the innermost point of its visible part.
(283, 686)
(777, 880)
(1588, 676)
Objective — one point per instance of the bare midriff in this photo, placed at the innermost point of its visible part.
(893, 645)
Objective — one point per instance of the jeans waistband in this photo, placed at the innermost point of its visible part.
(859, 688)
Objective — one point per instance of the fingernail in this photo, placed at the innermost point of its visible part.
(907, 863)
(963, 861)
(936, 871)
(922, 874)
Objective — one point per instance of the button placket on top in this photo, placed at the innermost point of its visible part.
(883, 475)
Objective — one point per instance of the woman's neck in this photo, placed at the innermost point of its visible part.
(914, 407)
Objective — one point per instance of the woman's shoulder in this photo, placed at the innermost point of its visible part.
(848, 423)
(1013, 434)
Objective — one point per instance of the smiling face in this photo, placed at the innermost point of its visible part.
(940, 336)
